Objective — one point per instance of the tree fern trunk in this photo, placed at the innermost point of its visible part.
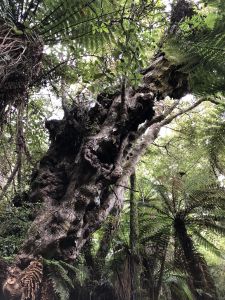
(196, 265)
(134, 259)
(96, 263)
(161, 271)
(105, 244)
(181, 265)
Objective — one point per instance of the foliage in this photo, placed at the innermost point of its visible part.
(176, 283)
(105, 38)
(29, 143)
(14, 225)
(198, 48)
(16, 213)
(95, 46)
(58, 273)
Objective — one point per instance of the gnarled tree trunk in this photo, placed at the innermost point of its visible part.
(92, 154)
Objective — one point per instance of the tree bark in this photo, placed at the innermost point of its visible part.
(92, 153)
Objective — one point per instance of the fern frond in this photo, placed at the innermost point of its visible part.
(61, 290)
(200, 53)
(209, 225)
(61, 281)
(202, 241)
(155, 207)
(177, 283)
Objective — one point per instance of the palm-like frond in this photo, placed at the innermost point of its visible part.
(160, 235)
(90, 22)
(213, 137)
(162, 191)
(199, 49)
(177, 283)
(210, 226)
(60, 279)
(202, 241)
(157, 207)
(208, 199)
(196, 211)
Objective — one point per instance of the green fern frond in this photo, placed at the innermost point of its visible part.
(162, 191)
(61, 290)
(159, 236)
(155, 207)
(209, 225)
(200, 53)
(177, 281)
(58, 274)
(213, 136)
(68, 267)
(207, 198)
(202, 241)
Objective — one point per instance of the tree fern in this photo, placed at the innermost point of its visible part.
(91, 23)
(187, 216)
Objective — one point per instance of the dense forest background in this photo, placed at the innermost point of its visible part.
(112, 157)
